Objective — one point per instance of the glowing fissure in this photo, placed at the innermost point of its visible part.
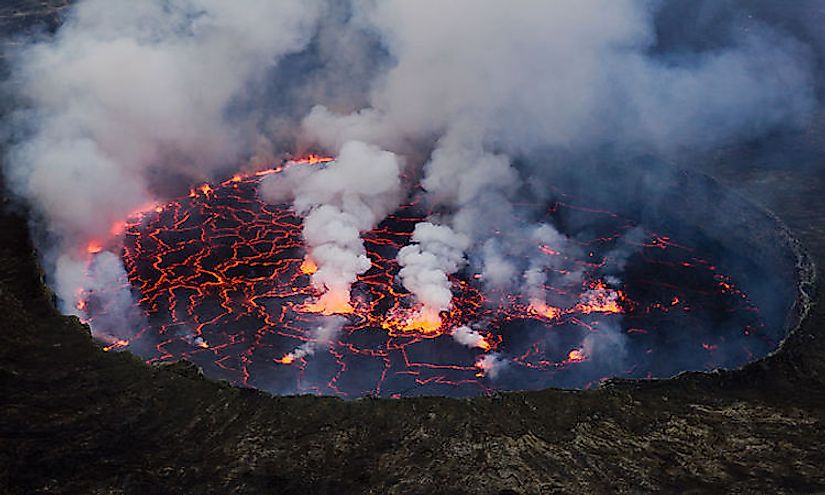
(224, 280)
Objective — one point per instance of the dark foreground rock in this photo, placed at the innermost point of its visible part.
(75, 419)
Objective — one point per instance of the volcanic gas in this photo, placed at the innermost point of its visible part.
(222, 279)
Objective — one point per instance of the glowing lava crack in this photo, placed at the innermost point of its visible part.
(222, 279)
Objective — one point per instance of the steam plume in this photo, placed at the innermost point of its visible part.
(129, 97)
(321, 335)
(466, 336)
(491, 365)
(563, 75)
(436, 252)
(127, 93)
(339, 201)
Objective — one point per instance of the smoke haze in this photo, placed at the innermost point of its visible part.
(129, 102)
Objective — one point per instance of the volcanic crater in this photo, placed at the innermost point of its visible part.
(223, 280)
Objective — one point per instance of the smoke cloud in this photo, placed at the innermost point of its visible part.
(436, 252)
(320, 336)
(338, 202)
(466, 336)
(130, 97)
(127, 92)
(567, 76)
(105, 284)
(491, 365)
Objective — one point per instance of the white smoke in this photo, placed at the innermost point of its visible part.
(491, 365)
(435, 252)
(562, 75)
(607, 346)
(128, 94)
(339, 201)
(128, 91)
(551, 246)
(498, 271)
(321, 336)
(566, 74)
(466, 336)
(105, 284)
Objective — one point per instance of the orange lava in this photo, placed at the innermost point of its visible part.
(600, 299)
(600, 307)
(94, 247)
(425, 321)
(542, 309)
(288, 359)
(330, 303)
(308, 266)
(576, 356)
(313, 159)
(118, 344)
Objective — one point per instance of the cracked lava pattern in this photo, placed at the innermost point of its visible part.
(221, 279)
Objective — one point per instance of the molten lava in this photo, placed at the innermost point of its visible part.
(539, 308)
(426, 321)
(329, 303)
(224, 281)
(308, 267)
(94, 247)
(600, 299)
(576, 356)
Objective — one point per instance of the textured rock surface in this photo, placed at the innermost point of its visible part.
(77, 420)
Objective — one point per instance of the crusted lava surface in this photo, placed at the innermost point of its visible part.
(223, 281)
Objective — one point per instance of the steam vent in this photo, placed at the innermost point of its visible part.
(407, 247)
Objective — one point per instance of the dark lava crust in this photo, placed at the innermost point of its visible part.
(78, 420)
(74, 419)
